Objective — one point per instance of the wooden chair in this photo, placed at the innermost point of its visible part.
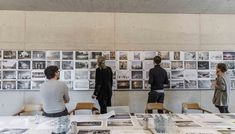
(193, 106)
(156, 106)
(85, 106)
(30, 109)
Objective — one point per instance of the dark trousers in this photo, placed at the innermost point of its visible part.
(223, 109)
(63, 113)
(155, 97)
(103, 105)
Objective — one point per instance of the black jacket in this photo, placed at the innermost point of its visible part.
(157, 78)
(103, 83)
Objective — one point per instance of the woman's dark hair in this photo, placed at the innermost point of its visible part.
(157, 59)
(222, 67)
(50, 71)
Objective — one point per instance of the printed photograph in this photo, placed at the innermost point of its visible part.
(190, 84)
(177, 74)
(189, 55)
(53, 55)
(13, 131)
(165, 64)
(24, 74)
(67, 55)
(175, 65)
(53, 63)
(81, 55)
(8, 85)
(89, 123)
(36, 84)
(137, 84)
(111, 64)
(190, 65)
(177, 84)
(9, 74)
(123, 65)
(66, 75)
(94, 132)
(112, 55)
(231, 73)
(123, 75)
(230, 64)
(81, 85)
(203, 55)
(24, 85)
(136, 55)
(204, 84)
(203, 74)
(93, 65)
(140, 115)
(9, 54)
(81, 74)
(9, 64)
(136, 65)
(39, 55)
(177, 55)
(24, 54)
(216, 55)
(38, 75)
(24, 64)
(136, 74)
(214, 64)
(121, 116)
(123, 84)
(190, 74)
(203, 65)
(165, 55)
(92, 84)
(106, 54)
(149, 55)
(67, 65)
(95, 55)
(92, 74)
(81, 64)
(123, 55)
(148, 65)
(39, 64)
(228, 55)
(113, 123)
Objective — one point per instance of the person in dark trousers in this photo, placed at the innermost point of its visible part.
(157, 79)
(103, 85)
(222, 88)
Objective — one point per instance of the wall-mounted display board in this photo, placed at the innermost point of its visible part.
(24, 70)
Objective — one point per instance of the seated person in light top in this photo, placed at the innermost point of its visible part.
(54, 94)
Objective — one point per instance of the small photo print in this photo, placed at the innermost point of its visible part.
(166, 64)
(81, 74)
(216, 55)
(203, 55)
(148, 65)
(203, 65)
(24, 54)
(136, 74)
(92, 74)
(39, 55)
(67, 65)
(123, 84)
(53, 55)
(177, 55)
(81, 55)
(190, 84)
(176, 65)
(165, 55)
(95, 55)
(92, 84)
(9, 74)
(190, 74)
(38, 74)
(94, 132)
(214, 64)
(81, 85)
(39, 64)
(190, 56)
(123, 55)
(106, 54)
(136, 65)
(36, 84)
(136, 55)
(13, 131)
(186, 124)
(177, 74)
(123, 75)
(81, 64)
(112, 55)
(24, 74)
(9, 54)
(9, 64)
(111, 64)
(23, 84)
(149, 55)
(231, 73)
(205, 84)
(230, 64)
(123, 65)
(177, 84)
(228, 55)
(93, 65)
(190, 65)
(8, 85)
(137, 84)
(66, 75)
(53, 63)
(67, 55)
(119, 123)
(203, 74)
(24, 64)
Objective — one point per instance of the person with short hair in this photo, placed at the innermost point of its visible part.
(54, 94)
(157, 79)
(103, 85)
(222, 88)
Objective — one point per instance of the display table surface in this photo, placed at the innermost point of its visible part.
(185, 124)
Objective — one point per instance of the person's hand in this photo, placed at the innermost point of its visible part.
(93, 96)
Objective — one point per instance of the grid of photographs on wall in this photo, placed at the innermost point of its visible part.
(24, 70)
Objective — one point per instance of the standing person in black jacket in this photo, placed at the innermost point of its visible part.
(157, 79)
(103, 85)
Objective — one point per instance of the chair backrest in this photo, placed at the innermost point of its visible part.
(119, 109)
(154, 106)
(191, 105)
(85, 106)
(32, 107)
